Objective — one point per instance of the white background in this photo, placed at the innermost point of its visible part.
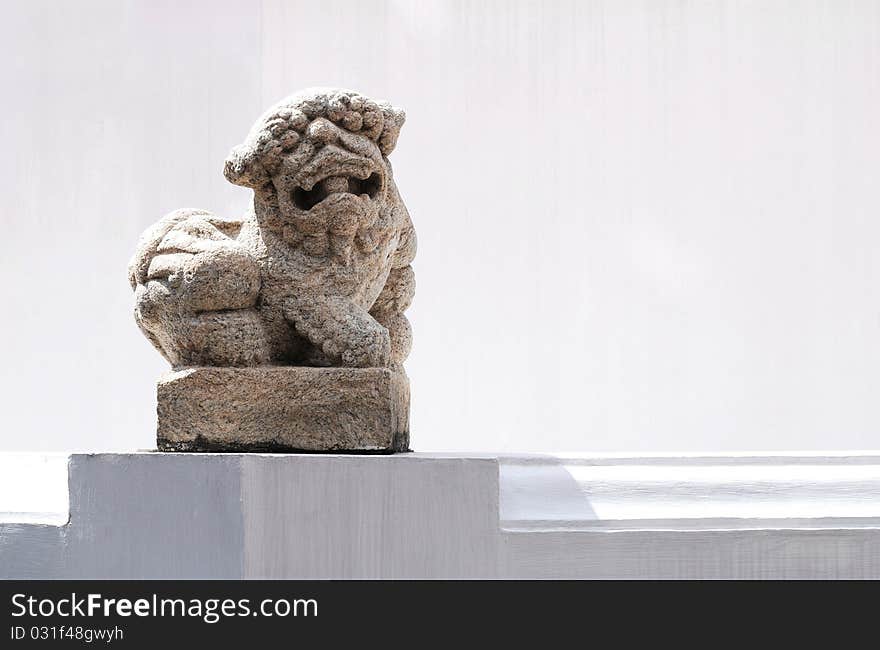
(644, 226)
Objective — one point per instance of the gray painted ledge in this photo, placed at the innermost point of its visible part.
(157, 515)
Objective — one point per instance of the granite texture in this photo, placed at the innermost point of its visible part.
(284, 409)
(317, 274)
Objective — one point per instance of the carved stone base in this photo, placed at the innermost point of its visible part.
(284, 409)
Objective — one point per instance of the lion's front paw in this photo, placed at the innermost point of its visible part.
(346, 334)
(370, 348)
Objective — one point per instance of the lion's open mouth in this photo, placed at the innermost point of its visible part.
(307, 199)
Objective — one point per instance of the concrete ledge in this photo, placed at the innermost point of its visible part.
(690, 493)
(158, 515)
(177, 515)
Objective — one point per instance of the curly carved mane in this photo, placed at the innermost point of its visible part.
(280, 129)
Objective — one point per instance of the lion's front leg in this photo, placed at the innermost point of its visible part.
(396, 296)
(345, 333)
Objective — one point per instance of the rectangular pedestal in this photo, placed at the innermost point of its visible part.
(284, 409)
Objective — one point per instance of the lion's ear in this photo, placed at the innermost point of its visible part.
(242, 167)
(393, 121)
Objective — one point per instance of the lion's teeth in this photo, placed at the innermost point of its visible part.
(336, 184)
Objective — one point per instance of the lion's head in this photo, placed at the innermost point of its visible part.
(317, 162)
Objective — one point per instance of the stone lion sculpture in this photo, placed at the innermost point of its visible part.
(317, 273)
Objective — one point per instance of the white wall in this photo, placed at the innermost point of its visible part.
(643, 225)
